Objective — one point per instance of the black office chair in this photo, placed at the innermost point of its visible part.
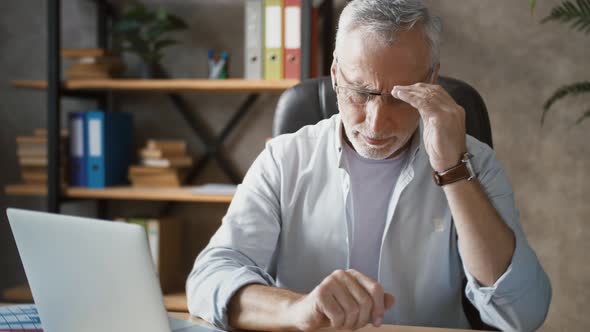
(313, 100)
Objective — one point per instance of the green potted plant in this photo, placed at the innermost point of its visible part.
(578, 15)
(144, 33)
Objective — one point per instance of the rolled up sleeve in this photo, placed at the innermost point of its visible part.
(241, 251)
(519, 300)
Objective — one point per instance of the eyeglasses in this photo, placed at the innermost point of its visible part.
(361, 97)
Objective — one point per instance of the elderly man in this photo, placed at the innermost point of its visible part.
(387, 201)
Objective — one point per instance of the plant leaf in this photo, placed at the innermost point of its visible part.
(568, 90)
(127, 25)
(138, 12)
(532, 4)
(154, 31)
(578, 15)
(163, 43)
(586, 115)
(176, 22)
(162, 14)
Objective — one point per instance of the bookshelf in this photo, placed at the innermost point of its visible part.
(100, 89)
(182, 194)
(165, 85)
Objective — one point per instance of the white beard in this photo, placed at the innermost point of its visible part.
(371, 151)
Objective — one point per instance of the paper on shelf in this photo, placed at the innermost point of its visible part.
(215, 189)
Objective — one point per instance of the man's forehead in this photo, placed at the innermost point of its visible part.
(365, 59)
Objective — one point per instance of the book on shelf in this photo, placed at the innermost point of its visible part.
(92, 63)
(32, 140)
(33, 161)
(31, 152)
(272, 39)
(37, 175)
(83, 52)
(164, 237)
(98, 69)
(34, 177)
(161, 153)
(170, 162)
(38, 161)
(162, 164)
(77, 167)
(167, 145)
(108, 143)
(143, 176)
(43, 132)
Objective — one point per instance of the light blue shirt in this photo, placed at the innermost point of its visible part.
(289, 225)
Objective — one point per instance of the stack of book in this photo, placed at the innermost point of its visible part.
(32, 157)
(91, 63)
(163, 164)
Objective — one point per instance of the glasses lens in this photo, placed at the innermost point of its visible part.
(353, 97)
(358, 98)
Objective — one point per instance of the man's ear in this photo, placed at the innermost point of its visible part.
(434, 76)
(333, 71)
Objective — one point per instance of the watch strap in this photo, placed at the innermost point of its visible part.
(459, 172)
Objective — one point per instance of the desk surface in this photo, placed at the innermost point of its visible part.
(368, 328)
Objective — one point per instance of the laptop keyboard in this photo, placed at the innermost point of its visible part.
(20, 318)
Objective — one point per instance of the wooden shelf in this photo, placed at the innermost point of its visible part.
(25, 190)
(176, 302)
(18, 294)
(182, 194)
(165, 85)
(22, 294)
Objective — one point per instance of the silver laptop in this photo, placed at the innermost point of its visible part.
(91, 275)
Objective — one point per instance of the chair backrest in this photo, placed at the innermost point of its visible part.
(313, 100)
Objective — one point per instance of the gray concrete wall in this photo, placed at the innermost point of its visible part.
(498, 47)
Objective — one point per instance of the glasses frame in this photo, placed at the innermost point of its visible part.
(370, 95)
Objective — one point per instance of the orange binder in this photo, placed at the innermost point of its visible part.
(315, 43)
(292, 39)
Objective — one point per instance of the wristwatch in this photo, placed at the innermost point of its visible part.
(461, 171)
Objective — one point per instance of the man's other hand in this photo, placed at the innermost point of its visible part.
(444, 122)
(343, 300)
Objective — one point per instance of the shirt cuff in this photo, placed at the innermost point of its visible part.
(515, 281)
(231, 284)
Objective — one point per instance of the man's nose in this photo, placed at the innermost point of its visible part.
(376, 115)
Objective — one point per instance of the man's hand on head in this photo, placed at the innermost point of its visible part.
(343, 300)
(444, 122)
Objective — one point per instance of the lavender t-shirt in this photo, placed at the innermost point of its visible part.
(372, 183)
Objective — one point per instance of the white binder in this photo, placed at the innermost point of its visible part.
(253, 40)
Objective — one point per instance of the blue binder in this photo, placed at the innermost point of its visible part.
(109, 146)
(77, 169)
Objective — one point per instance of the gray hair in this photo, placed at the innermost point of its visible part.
(386, 18)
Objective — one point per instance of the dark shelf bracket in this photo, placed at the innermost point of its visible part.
(53, 105)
